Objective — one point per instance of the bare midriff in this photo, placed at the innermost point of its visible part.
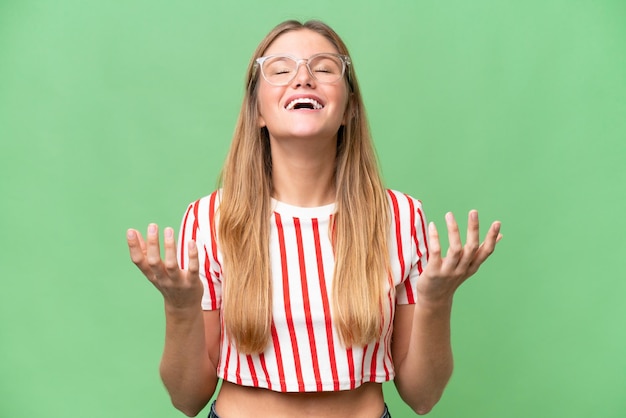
(233, 400)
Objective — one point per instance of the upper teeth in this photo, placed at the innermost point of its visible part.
(293, 103)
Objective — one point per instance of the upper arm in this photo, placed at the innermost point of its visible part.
(402, 324)
(212, 333)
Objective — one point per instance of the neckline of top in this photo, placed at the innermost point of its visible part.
(286, 209)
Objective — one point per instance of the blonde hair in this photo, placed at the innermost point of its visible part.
(358, 233)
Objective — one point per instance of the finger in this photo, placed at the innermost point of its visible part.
(137, 254)
(488, 246)
(434, 253)
(472, 240)
(194, 263)
(454, 239)
(170, 262)
(153, 251)
(142, 242)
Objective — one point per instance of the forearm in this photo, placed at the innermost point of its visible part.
(423, 373)
(187, 371)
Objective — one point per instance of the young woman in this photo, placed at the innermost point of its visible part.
(303, 284)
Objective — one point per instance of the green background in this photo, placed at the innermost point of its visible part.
(114, 114)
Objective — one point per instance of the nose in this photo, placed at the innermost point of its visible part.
(303, 75)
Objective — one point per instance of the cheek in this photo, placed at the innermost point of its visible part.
(264, 99)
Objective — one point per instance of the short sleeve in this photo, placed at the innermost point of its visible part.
(199, 225)
(406, 293)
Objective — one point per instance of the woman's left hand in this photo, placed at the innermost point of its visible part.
(443, 276)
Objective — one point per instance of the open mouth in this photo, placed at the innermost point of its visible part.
(304, 103)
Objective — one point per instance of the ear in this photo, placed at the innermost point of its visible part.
(261, 122)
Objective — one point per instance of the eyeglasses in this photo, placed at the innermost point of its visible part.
(280, 70)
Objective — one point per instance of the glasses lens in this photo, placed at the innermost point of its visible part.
(326, 68)
(280, 70)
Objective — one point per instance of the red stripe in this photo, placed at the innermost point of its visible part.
(396, 216)
(210, 284)
(423, 222)
(255, 380)
(387, 339)
(194, 232)
(326, 305)
(287, 300)
(265, 372)
(227, 361)
(208, 271)
(182, 238)
(414, 234)
(412, 220)
(363, 363)
(373, 363)
(407, 283)
(238, 369)
(279, 360)
(307, 305)
(351, 367)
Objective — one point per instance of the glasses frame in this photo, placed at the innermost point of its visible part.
(345, 62)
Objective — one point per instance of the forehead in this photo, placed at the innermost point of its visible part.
(300, 43)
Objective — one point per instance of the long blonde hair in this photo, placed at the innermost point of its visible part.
(358, 233)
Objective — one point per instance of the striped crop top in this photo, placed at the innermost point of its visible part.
(305, 353)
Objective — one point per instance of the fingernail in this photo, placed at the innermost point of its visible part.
(152, 229)
(474, 215)
(449, 217)
(130, 234)
(169, 233)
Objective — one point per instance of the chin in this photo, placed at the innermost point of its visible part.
(305, 135)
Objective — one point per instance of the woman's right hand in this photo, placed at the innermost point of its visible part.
(181, 289)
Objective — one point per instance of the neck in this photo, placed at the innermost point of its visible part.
(303, 171)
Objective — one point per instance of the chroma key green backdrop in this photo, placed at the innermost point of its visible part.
(114, 114)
